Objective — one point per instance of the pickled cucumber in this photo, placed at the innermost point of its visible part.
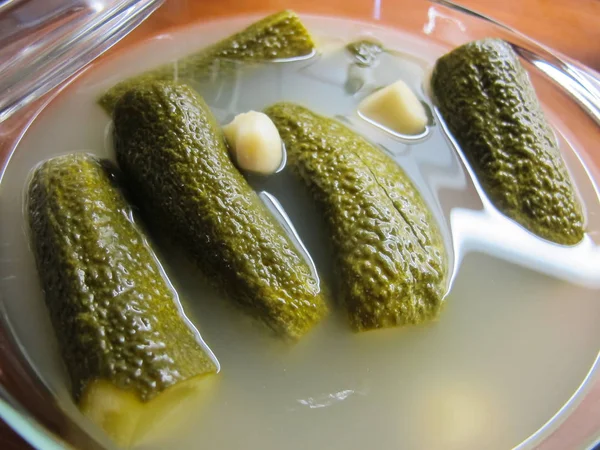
(174, 154)
(365, 51)
(390, 257)
(123, 339)
(490, 106)
(278, 36)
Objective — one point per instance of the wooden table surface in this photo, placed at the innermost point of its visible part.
(570, 26)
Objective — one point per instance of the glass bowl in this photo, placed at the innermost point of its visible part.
(70, 54)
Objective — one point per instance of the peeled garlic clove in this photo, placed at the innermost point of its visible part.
(395, 107)
(254, 142)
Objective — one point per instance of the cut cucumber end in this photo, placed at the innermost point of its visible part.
(129, 421)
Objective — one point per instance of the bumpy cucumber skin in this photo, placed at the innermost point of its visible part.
(112, 309)
(170, 146)
(278, 36)
(391, 260)
(490, 106)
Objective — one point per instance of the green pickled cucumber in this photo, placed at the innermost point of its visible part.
(278, 36)
(170, 146)
(119, 327)
(365, 51)
(390, 254)
(489, 104)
